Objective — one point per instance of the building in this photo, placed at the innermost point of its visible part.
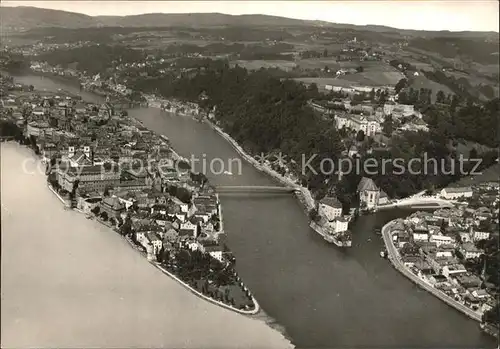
(112, 206)
(188, 228)
(398, 110)
(415, 126)
(455, 193)
(38, 129)
(368, 125)
(49, 150)
(480, 235)
(441, 240)
(81, 158)
(453, 270)
(369, 193)
(91, 178)
(330, 208)
(469, 251)
(420, 236)
(342, 121)
(155, 241)
(338, 225)
(383, 198)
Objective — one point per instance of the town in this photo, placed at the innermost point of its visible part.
(452, 250)
(112, 169)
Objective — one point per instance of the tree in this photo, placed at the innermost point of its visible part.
(387, 125)
(183, 194)
(104, 216)
(360, 136)
(401, 84)
(106, 191)
(440, 98)
(492, 316)
(119, 221)
(473, 153)
(382, 98)
(95, 210)
(372, 95)
(313, 214)
(126, 227)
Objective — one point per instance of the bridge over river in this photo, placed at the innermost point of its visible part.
(254, 189)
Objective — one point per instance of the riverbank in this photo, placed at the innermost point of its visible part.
(64, 283)
(303, 194)
(254, 311)
(395, 259)
(158, 265)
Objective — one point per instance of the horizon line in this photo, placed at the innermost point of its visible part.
(5, 4)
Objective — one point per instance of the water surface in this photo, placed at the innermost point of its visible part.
(69, 282)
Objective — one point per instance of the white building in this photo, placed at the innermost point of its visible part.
(416, 125)
(366, 124)
(480, 235)
(453, 270)
(441, 240)
(155, 241)
(38, 129)
(339, 224)
(469, 251)
(369, 193)
(330, 208)
(341, 121)
(188, 226)
(398, 110)
(419, 237)
(455, 193)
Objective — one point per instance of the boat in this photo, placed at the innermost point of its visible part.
(378, 232)
(383, 254)
(228, 173)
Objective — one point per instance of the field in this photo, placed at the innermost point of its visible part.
(421, 81)
(369, 78)
(490, 69)
(320, 63)
(374, 78)
(464, 147)
(257, 64)
(321, 82)
(488, 175)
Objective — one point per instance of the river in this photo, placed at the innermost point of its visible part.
(321, 295)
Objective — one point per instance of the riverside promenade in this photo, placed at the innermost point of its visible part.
(396, 261)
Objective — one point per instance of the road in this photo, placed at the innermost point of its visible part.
(395, 259)
(418, 201)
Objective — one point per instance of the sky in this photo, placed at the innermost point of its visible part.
(453, 15)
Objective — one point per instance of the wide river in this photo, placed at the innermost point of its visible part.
(322, 296)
